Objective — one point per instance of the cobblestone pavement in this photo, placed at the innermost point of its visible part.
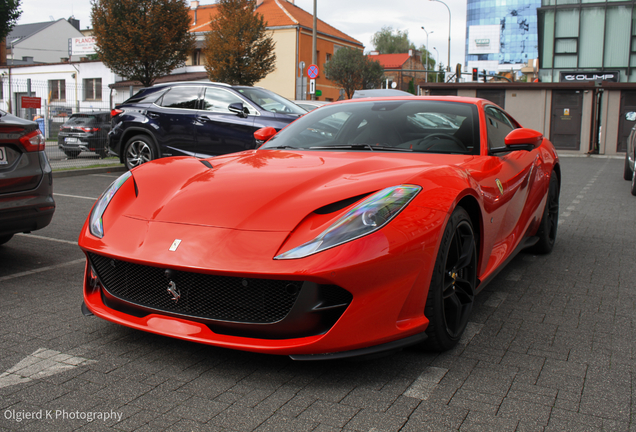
(550, 345)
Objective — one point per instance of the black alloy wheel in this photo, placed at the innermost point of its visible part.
(627, 170)
(452, 291)
(549, 224)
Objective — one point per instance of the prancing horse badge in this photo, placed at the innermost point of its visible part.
(499, 185)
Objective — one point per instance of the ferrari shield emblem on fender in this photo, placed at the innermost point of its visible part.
(175, 245)
(499, 185)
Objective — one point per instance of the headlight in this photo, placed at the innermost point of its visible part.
(96, 226)
(368, 216)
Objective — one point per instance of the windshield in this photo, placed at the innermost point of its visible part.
(399, 125)
(270, 101)
(81, 120)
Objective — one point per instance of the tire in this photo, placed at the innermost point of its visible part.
(71, 154)
(5, 238)
(634, 182)
(102, 154)
(138, 150)
(550, 220)
(452, 290)
(627, 171)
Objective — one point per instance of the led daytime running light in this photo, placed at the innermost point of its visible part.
(96, 224)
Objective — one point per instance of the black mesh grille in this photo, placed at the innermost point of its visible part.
(205, 296)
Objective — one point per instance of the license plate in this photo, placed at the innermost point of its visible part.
(71, 140)
(3, 156)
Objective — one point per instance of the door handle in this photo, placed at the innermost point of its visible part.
(203, 119)
(152, 114)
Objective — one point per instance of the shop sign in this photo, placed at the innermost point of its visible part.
(611, 76)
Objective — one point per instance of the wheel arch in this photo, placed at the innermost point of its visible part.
(134, 131)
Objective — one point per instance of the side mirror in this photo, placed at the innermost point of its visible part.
(264, 134)
(238, 109)
(520, 139)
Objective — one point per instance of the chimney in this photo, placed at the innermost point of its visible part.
(194, 5)
(74, 22)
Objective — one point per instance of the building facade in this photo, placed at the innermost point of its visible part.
(501, 35)
(587, 40)
(291, 28)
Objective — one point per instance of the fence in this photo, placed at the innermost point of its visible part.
(57, 100)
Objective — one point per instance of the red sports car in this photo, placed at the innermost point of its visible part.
(364, 226)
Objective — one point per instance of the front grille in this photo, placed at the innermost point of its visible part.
(234, 299)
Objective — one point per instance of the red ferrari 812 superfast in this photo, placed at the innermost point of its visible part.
(364, 226)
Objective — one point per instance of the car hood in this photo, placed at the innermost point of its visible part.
(265, 190)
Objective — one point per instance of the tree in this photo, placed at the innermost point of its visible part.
(142, 40)
(237, 49)
(387, 42)
(352, 70)
(425, 52)
(9, 11)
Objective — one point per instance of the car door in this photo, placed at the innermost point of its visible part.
(220, 131)
(172, 119)
(507, 183)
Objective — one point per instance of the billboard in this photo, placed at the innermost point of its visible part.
(81, 46)
(483, 39)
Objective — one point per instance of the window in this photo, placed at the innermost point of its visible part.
(327, 60)
(218, 100)
(498, 126)
(93, 89)
(181, 97)
(57, 90)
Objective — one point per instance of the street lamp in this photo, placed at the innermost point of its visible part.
(449, 29)
(427, 52)
(437, 60)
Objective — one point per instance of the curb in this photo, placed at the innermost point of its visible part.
(88, 171)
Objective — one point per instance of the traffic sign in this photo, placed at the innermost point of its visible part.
(312, 71)
(312, 86)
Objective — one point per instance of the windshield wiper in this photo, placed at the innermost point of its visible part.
(361, 147)
(283, 147)
(344, 146)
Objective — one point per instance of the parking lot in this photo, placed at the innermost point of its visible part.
(550, 345)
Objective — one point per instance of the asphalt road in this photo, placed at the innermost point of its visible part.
(550, 345)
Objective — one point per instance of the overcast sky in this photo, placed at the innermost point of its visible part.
(357, 18)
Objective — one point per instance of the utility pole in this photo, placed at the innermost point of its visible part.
(314, 60)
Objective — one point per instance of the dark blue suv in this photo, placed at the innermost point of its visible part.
(195, 119)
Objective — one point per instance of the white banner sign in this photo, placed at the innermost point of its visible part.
(82, 46)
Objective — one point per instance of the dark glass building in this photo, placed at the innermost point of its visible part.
(501, 32)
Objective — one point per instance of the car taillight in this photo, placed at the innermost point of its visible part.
(33, 141)
(115, 112)
(85, 129)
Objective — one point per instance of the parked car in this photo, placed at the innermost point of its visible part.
(630, 158)
(26, 180)
(351, 231)
(194, 119)
(87, 131)
(310, 105)
(367, 93)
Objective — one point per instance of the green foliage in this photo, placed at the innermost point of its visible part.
(431, 58)
(411, 87)
(386, 41)
(10, 12)
(142, 40)
(237, 49)
(352, 70)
